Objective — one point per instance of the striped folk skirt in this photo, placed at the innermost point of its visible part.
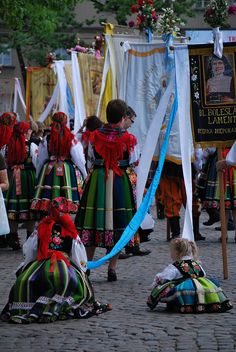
(190, 296)
(106, 207)
(19, 196)
(58, 180)
(39, 295)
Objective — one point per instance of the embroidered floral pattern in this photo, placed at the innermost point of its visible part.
(56, 241)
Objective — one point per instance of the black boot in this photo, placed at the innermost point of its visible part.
(136, 251)
(13, 241)
(144, 234)
(3, 242)
(197, 235)
(213, 216)
(160, 211)
(174, 226)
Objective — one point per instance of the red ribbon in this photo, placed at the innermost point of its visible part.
(17, 174)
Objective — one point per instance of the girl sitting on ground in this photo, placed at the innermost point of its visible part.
(183, 285)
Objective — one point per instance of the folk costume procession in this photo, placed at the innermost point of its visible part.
(82, 174)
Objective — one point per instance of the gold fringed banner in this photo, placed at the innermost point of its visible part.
(91, 77)
(41, 82)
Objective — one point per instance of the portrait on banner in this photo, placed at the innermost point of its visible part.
(213, 94)
(219, 79)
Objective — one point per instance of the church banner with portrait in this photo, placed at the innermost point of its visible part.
(213, 95)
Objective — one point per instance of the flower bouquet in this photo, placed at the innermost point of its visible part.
(218, 12)
(168, 22)
(146, 18)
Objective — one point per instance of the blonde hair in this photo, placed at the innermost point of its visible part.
(183, 247)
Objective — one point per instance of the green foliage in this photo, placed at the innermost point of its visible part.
(38, 27)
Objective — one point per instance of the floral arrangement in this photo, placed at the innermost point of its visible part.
(217, 13)
(168, 22)
(146, 15)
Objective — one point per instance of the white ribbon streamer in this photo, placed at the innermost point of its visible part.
(18, 92)
(185, 134)
(80, 112)
(218, 42)
(61, 77)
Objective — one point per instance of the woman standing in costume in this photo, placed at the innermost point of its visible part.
(7, 121)
(52, 283)
(21, 172)
(108, 201)
(59, 156)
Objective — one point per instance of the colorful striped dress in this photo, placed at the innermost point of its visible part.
(22, 182)
(109, 197)
(184, 287)
(52, 289)
(59, 177)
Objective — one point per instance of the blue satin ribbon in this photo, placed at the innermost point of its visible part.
(168, 39)
(137, 219)
(149, 34)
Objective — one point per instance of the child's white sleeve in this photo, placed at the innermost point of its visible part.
(77, 156)
(135, 154)
(30, 248)
(78, 254)
(168, 274)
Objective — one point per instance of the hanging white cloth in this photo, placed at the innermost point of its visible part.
(80, 113)
(61, 77)
(18, 93)
(185, 134)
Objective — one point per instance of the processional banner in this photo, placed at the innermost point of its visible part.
(213, 95)
(91, 77)
(41, 82)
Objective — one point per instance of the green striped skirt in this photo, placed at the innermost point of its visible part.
(60, 180)
(19, 196)
(41, 295)
(190, 296)
(106, 207)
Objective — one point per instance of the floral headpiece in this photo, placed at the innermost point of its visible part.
(217, 13)
(146, 15)
(59, 206)
(8, 118)
(21, 128)
(59, 117)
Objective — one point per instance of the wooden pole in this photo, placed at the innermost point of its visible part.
(222, 219)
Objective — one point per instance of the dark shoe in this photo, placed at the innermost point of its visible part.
(123, 255)
(211, 221)
(141, 253)
(111, 275)
(199, 238)
(3, 242)
(144, 234)
(160, 211)
(174, 226)
(13, 241)
(230, 227)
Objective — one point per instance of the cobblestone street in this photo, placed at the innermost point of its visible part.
(131, 326)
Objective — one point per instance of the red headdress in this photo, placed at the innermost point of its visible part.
(16, 145)
(67, 227)
(61, 137)
(7, 121)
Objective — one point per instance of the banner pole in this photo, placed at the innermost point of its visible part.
(222, 218)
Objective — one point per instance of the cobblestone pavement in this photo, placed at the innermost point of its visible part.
(131, 326)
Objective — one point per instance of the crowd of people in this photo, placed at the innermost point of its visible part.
(77, 192)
